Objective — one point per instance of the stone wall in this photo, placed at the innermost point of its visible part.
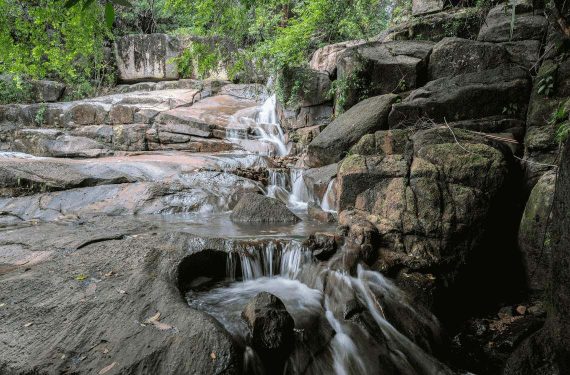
(147, 57)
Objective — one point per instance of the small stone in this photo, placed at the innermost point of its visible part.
(505, 312)
(521, 310)
(537, 310)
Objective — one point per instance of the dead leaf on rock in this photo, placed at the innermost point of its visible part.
(105, 370)
(28, 324)
(154, 320)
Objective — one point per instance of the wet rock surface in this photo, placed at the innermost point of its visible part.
(107, 303)
(271, 328)
(261, 209)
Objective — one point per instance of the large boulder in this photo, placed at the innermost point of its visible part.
(420, 7)
(454, 22)
(454, 56)
(334, 142)
(325, 58)
(147, 57)
(256, 208)
(271, 328)
(317, 179)
(534, 234)
(501, 91)
(550, 99)
(47, 91)
(436, 199)
(497, 25)
(305, 98)
(380, 68)
(548, 350)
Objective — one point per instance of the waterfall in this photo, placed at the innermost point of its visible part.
(299, 197)
(268, 138)
(268, 127)
(274, 258)
(278, 185)
(329, 199)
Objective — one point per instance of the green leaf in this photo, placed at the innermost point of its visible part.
(70, 3)
(124, 3)
(109, 15)
(87, 4)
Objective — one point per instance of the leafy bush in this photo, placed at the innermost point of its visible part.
(13, 89)
(262, 37)
(43, 39)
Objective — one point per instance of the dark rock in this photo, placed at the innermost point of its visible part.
(317, 213)
(454, 22)
(548, 350)
(334, 142)
(524, 53)
(323, 245)
(47, 91)
(256, 208)
(534, 234)
(318, 179)
(382, 68)
(306, 98)
(271, 328)
(483, 345)
(306, 87)
(431, 204)
(454, 56)
(497, 26)
(541, 146)
(501, 91)
(120, 267)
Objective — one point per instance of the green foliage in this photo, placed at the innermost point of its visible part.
(560, 119)
(40, 115)
(511, 109)
(546, 85)
(344, 89)
(262, 37)
(44, 39)
(15, 90)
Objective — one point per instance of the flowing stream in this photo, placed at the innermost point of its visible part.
(317, 295)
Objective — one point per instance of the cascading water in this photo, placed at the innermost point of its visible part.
(328, 203)
(299, 196)
(321, 292)
(263, 123)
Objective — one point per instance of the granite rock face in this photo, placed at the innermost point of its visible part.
(334, 142)
(423, 202)
(147, 57)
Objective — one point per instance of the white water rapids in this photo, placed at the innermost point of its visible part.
(313, 293)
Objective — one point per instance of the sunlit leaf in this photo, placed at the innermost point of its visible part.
(109, 15)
